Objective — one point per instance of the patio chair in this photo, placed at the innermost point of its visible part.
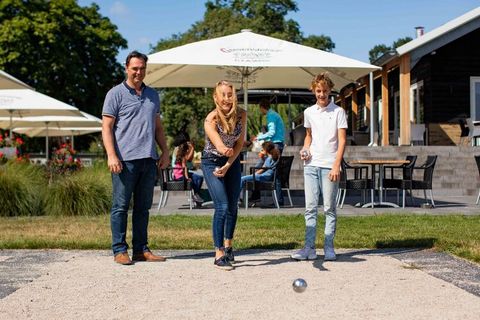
(417, 132)
(473, 131)
(360, 181)
(425, 184)
(284, 166)
(477, 160)
(281, 171)
(394, 181)
(464, 131)
(167, 184)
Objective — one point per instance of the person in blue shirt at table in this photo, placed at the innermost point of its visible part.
(276, 134)
(275, 126)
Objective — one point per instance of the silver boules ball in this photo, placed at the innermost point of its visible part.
(299, 285)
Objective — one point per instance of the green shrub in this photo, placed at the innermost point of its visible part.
(84, 193)
(22, 188)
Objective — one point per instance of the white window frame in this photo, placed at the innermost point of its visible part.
(473, 99)
(415, 98)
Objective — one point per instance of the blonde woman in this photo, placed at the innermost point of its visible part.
(224, 136)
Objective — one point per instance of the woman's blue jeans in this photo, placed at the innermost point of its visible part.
(316, 183)
(137, 178)
(225, 193)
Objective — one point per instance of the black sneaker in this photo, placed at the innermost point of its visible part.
(223, 263)
(229, 254)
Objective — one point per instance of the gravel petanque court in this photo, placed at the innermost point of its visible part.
(362, 284)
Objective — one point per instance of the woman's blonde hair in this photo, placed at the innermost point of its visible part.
(319, 78)
(229, 120)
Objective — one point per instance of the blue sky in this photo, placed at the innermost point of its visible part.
(354, 26)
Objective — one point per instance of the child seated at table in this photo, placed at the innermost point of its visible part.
(266, 171)
(184, 154)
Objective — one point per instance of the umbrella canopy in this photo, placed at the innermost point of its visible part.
(250, 60)
(26, 102)
(48, 126)
(83, 120)
(8, 81)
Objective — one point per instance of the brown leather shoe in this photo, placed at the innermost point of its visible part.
(123, 258)
(147, 256)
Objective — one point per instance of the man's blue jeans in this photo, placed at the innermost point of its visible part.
(225, 193)
(316, 183)
(137, 178)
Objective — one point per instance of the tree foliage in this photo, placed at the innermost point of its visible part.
(61, 49)
(224, 17)
(380, 49)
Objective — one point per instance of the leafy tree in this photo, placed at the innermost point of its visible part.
(319, 42)
(224, 17)
(401, 42)
(61, 49)
(380, 49)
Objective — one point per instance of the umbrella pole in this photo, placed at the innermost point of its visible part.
(46, 142)
(372, 112)
(11, 121)
(245, 105)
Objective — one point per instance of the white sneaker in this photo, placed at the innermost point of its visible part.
(329, 254)
(305, 254)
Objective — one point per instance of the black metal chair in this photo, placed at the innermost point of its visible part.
(477, 160)
(167, 184)
(464, 131)
(394, 181)
(360, 181)
(425, 184)
(283, 164)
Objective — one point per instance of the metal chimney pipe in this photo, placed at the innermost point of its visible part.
(419, 31)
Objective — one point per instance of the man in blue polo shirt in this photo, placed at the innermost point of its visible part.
(276, 134)
(275, 127)
(131, 129)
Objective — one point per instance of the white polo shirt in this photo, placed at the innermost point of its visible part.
(324, 123)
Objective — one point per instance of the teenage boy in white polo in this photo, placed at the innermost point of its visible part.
(322, 151)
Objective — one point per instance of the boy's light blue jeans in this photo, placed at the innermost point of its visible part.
(316, 183)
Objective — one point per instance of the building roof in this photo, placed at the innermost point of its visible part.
(459, 23)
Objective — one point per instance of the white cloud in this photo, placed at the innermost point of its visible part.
(118, 9)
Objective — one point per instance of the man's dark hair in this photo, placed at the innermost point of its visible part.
(264, 103)
(136, 54)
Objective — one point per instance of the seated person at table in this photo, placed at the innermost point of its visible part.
(265, 173)
(184, 154)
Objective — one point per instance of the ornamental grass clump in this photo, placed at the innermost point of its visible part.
(21, 189)
(83, 193)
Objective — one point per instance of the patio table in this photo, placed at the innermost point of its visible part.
(380, 163)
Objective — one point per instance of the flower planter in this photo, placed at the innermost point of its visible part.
(9, 152)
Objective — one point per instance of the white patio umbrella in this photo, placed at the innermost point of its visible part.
(8, 81)
(46, 124)
(250, 60)
(27, 103)
(57, 132)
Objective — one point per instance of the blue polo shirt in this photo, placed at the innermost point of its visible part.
(135, 117)
(275, 127)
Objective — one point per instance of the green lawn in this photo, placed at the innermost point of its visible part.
(459, 235)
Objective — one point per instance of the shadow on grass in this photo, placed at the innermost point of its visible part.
(407, 243)
(275, 246)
